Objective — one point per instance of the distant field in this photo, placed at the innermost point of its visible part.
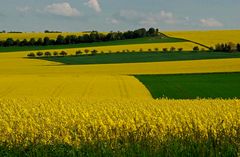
(192, 86)
(209, 38)
(36, 35)
(147, 40)
(138, 57)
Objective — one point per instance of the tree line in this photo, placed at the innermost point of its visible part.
(94, 52)
(93, 36)
(227, 47)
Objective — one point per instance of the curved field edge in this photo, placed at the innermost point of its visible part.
(82, 86)
(138, 57)
(192, 86)
(119, 127)
(12, 64)
(208, 38)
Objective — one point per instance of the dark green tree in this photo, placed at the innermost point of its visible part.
(238, 47)
(24, 42)
(180, 49)
(196, 48)
(17, 42)
(47, 54)
(86, 38)
(32, 42)
(39, 54)
(31, 54)
(9, 42)
(55, 53)
(151, 32)
(63, 53)
(39, 42)
(79, 52)
(46, 41)
(86, 51)
(60, 40)
(172, 49)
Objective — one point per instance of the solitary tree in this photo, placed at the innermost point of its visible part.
(47, 54)
(165, 49)
(79, 52)
(63, 53)
(39, 54)
(55, 53)
(196, 48)
(86, 51)
(180, 49)
(31, 54)
(172, 49)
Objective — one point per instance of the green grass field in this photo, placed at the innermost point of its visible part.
(191, 86)
(147, 40)
(136, 57)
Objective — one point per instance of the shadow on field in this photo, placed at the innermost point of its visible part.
(172, 146)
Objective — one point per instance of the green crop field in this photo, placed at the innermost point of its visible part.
(192, 86)
(136, 57)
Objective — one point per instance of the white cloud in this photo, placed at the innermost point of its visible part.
(147, 19)
(62, 9)
(112, 21)
(23, 9)
(94, 4)
(166, 15)
(211, 22)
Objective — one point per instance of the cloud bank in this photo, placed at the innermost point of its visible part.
(62, 9)
(210, 22)
(94, 4)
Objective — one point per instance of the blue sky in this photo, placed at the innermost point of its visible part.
(106, 15)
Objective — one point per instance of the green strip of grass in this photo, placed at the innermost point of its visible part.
(136, 57)
(191, 86)
(147, 40)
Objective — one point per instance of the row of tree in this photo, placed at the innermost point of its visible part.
(47, 54)
(94, 51)
(93, 36)
(227, 47)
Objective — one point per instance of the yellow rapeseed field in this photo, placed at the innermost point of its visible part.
(102, 109)
(118, 123)
(15, 64)
(209, 38)
(36, 35)
(187, 46)
(75, 85)
(20, 76)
